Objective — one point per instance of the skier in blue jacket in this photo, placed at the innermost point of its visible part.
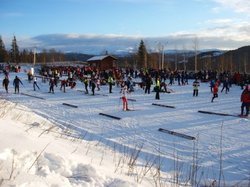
(16, 83)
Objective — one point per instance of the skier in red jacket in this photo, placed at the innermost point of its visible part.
(215, 91)
(245, 99)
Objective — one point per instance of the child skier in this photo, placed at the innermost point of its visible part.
(196, 85)
(215, 91)
(245, 99)
(35, 84)
(51, 85)
(124, 92)
(63, 85)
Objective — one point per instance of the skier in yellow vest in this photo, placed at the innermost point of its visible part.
(157, 88)
(110, 81)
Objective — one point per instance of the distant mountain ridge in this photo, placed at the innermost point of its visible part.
(77, 57)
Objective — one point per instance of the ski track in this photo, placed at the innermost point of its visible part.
(136, 127)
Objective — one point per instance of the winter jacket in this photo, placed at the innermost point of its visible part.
(5, 82)
(245, 96)
(158, 83)
(16, 82)
(110, 80)
(196, 85)
(215, 89)
(52, 82)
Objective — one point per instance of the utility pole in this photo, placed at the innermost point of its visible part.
(196, 43)
(184, 57)
(162, 57)
(175, 60)
(34, 60)
(195, 62)
(184, 62)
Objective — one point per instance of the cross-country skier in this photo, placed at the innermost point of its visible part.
(6, 83)
(63, 85)
(124, 92)
(35, 84)
(148, 82)
(51, 85)
(215, 91)
(225, 85)
(245, 99)
(93, 85)
(86, 82)
(157, 88)
(16, 84)
(196, 85)
(110, 81)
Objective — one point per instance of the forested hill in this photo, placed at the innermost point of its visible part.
(77, 57)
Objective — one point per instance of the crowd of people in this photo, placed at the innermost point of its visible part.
(148, 79)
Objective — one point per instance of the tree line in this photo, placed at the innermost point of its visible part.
(15, 55)
(233, 61)
(237, 60)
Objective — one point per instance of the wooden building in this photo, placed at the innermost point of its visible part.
(102, 62)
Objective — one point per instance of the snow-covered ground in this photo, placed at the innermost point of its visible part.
(46, 143)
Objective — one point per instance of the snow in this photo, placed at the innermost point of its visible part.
(45, 143)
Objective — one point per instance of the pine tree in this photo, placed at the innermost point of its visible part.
(3, 52)
(26, 56)
(14, 52)
(142, 55)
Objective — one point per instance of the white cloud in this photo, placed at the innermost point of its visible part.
(234, 29)
(219, 21)
(220, 36)
(72, 35)
(217, 33)
(242, 6)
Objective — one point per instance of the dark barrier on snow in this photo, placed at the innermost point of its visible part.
(42, 77)
(132, 100)
(90, 93)
(74, 106)
(114, 117)
(156, 104)
(216, 113)
(33, 96)
(80, 90)
(177, 134)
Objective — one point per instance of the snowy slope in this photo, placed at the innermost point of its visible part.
(220, 151)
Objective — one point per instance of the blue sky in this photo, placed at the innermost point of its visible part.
(80, 25)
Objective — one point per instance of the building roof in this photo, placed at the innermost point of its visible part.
(99, 58)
